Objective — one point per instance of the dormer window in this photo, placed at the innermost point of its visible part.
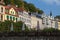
(11, 12)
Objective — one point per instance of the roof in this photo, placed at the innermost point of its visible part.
(7, 7)
(16, 9)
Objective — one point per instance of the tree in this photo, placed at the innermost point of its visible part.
(7, 2)
(26, 6)
(12, 2)
(1, 26)
(31, 7)
(26, 28)
(58, 16)
(40, 11)
(50, 30)
(18, 26)
(19, 3)
(7, 25)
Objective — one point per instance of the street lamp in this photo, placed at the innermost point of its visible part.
(11, 27)
(23, 27)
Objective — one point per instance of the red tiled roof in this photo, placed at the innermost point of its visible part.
(20, 9)
(16, 9)
(7, 7)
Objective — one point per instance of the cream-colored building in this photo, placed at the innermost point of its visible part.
(25, 17)
(36, 22)
(11, 13)
(8, 13)
(59, 25)
(15, 14)
(48, 21)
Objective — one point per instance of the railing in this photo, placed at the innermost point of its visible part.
(30, 36)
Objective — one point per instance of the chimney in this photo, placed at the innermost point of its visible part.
(16, 5)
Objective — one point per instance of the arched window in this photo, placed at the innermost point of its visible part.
(7, 17)
(10, 17)
(16, 19)
(13, 18)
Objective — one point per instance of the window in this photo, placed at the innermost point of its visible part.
(13, 18)
(1, 9)
(11, 12)
(47, 21)
(16, 19)
(10, 17)
(7, 17)
(6, 10)
(43, 21)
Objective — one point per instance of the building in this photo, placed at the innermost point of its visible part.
(36, 22)
(8, 12)
(32, 20)
(11, 13)
(58, 25)
(25, 17)
(2, 10)
(48, 21)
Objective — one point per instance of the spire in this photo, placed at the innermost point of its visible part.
(50, 13)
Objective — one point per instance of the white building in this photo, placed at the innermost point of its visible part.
(25, 17)
(36, 22)
(57, 23)
(48, 21)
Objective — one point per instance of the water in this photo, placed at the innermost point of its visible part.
(30, 38)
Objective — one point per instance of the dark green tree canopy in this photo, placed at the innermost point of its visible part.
(58, 17)
(21, 3)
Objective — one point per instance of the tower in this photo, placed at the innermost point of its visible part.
(50, 13)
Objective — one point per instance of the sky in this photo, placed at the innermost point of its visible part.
(47, 6)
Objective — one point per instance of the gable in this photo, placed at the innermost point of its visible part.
(12, 11)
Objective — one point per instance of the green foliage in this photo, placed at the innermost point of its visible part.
(19, 3)
(26, 6)
(40, 11)
(58, 17)
(26, 28)
(31, 7)
(50, 30)
(17, 26)
(7, 1)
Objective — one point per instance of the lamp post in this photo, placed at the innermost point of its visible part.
(11, 27)
(23, 27)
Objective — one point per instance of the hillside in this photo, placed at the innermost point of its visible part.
(27, 6)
